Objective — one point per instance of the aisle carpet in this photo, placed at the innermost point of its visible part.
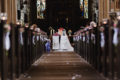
(62, 66)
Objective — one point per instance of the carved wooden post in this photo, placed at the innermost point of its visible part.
(21, 46)
(118, 50)
(111, 50)
(93, 57)
(17, 51)
(4, 52)
(106, 48)
(12, 52)
(30, 46)
(90, 47)
(101, 55)
(26, 47)
(97, 45)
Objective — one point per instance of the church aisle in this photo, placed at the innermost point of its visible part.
(62, 66)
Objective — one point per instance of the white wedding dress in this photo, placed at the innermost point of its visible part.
(65, 43)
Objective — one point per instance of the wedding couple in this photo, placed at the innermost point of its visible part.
(61, 41)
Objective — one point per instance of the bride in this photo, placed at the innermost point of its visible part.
(65, 43)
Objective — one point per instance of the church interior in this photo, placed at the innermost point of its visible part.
(59, 39)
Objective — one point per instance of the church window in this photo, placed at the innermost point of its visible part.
(84, 8)
(41, 6)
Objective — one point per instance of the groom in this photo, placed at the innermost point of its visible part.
(60, 32)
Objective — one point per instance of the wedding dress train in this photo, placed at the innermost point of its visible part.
(65, 43)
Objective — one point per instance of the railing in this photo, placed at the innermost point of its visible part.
(20, 47)
(100, 46)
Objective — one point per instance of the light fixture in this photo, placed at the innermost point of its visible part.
(104, 21)
(118, 17)
(3, 16)
(18, 23)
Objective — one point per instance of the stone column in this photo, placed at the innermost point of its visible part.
(9, 7)
(100, 10)
(103, 9)
(106, 9)
(14, 11)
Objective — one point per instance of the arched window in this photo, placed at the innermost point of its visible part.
(41, 6)
(84, 8)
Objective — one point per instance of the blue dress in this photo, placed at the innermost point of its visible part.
(47, 45)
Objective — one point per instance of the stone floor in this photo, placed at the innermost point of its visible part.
(62, 66)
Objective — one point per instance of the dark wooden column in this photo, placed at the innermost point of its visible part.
(33, 12)
(90, 2)
(2, 5)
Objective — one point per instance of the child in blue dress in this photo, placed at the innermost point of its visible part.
(47, 45)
